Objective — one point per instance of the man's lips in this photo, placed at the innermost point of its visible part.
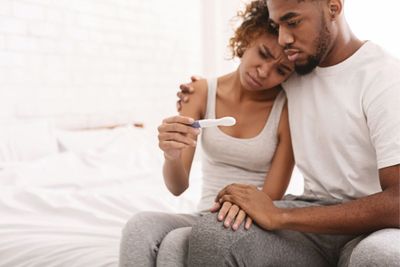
(292, 54)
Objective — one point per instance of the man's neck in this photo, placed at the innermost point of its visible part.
(345, 45)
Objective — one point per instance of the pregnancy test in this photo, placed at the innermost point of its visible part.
(225, 121)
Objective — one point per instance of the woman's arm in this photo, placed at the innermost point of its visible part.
(278, 177)
(178, 140)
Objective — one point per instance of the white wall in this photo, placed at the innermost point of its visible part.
(376, 21)
(126, 58)
(110, 57)
(218, 28)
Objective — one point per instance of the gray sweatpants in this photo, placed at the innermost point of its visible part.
(156, 239)
(210, 244)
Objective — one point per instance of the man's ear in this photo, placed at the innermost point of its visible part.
(335, 8)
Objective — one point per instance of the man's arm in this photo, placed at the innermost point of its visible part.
(366, 214)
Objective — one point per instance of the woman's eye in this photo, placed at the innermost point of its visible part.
(281, 72)
(263, 54)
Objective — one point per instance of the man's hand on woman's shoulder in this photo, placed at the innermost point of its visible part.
(186, 90)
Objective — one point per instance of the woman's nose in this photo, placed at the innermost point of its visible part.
(264, 69)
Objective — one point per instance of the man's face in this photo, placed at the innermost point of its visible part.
(303, 29)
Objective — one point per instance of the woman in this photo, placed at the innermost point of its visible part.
(256, 150)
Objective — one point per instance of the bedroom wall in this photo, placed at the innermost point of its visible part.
(96, 61)
(376, 21)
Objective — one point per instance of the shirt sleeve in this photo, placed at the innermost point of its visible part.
(382, 110)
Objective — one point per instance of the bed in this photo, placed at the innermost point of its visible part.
(65, 195)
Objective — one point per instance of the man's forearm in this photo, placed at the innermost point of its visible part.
(363, 215)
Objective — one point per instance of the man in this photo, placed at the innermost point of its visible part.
(344, 112)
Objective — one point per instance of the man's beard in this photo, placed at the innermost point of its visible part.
(321, 44)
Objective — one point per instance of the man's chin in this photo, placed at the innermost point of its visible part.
(303, 69)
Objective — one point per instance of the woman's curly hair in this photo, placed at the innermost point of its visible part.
(255, 21)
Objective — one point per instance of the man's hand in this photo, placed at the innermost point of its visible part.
(231, 213)
(185, 91)
(255, 203)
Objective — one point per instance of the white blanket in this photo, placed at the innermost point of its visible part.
(68, 209)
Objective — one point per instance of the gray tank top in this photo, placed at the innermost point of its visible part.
(226, 159)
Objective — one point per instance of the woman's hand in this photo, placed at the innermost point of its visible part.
(232, 215)
(175, 134)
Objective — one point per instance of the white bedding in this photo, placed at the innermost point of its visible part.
(68, 209)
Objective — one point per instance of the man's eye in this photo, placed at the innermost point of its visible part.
(293, 23)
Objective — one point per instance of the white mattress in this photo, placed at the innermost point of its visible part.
(68, 209)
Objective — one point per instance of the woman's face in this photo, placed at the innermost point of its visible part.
(263, 64)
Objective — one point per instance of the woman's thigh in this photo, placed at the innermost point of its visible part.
(211, 244)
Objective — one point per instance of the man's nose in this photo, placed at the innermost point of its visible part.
(285, 37)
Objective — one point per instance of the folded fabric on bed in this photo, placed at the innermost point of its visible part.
(68, 209)
(26, 140)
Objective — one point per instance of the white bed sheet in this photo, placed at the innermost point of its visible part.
(68, 209)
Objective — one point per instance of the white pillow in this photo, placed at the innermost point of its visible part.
(84, 140)
(95, 139)
(22, 140)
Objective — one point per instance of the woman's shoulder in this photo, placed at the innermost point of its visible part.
(200, 87)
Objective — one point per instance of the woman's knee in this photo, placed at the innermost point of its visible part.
(210, 242)
(138, 222)
(174, 247)
(177, 239)
(206, 230)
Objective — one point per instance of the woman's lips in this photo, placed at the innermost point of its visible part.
(254, 81)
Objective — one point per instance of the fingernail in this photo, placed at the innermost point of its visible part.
(220, 218)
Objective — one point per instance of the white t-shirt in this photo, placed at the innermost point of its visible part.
(345, 123)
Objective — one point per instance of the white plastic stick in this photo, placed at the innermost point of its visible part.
(225, 121)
